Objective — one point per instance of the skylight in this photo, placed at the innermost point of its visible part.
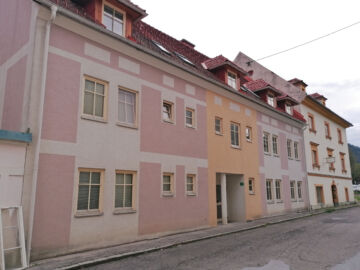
(161, 47)
(184, 59)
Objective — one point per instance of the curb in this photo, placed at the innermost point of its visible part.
(149, 250)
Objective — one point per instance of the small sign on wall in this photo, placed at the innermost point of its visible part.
(241, 184)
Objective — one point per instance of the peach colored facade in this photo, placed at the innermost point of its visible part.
(228, 160)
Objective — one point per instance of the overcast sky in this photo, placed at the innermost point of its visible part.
(330, 66)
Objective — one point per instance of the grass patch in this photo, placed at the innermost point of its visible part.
(329, 210)
(357, 196)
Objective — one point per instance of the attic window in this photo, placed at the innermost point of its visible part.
(270, 100)
(161, 47)
(184, 59)
(288, 108)
(114, 20)
(231, 80)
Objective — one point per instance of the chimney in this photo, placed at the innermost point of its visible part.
(187, 43)
(298, 83)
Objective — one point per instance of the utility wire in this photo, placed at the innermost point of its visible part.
(310, 41)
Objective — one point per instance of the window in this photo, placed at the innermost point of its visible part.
(342, 158)
(278, 189)
(127, 107)
(168, 184)
(168, 111)
(327, 130)
(311, 123)
(288, 144)
(190, 184)
(330, 156)
(248, 134)
(314, 155)
(275, 145)
(288, 108)
(94, 98)
(89, 189)
(299, 189)
(218, 125)
(339, 136)
(292, 190)
(251, 186)
(113, 20)
(266, 142)
(183, 58)
(271, 100)
(231, 80)
(234, 130)
(124, 190)
(190, 117)
(161, 47)
(269, 189)
(296, 150)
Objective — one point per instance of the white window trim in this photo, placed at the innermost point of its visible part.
(221, 126)
(105, 3)
(250, 133)
(193, 117)
(136, 123)
(172, 112)
(252, 179)
(170, 193)
(194, 191)
(269, 144)
(238, 135)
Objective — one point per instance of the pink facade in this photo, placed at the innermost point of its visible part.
(181, 211)
(53, 203)
(14, 96)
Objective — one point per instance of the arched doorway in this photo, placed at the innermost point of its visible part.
(334, 194)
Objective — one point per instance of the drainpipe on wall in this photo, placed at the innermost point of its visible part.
(303, 129)
(40, 118)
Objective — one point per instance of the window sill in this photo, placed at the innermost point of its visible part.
(267, 153)
(168, 194)
(188, 126)
(123, 211)
(331, 169)
(251, 193)
(290, 158)
(279, 201)
(293, 200)
(312, 130)
(93, 118)
(235, 147)
(344, 171)
(191, 194)
(316, 166)
(275, 155)
(248, 140)
(328, 137)
(218, 133)
(169, 121)
(270, 202)
(120, 124)
(81, 214)
(340, 142)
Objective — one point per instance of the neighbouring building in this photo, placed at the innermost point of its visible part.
(283, 177)
(326, 150)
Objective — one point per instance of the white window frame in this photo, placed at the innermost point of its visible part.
(266, 135)
(288, 109)
(194, 189)
(251, 186)
(275, 145)
(220, 132)
(248, 134)
(293, 190)
(296, 150)
(192, 125)
(289, 148)
(299, 190)
(167, 193)
(278, 190)
(171, 112)
(231, 79)
(271, 100)
(135, 105)
(236, 134)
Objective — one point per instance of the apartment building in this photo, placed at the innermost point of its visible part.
(325, 144)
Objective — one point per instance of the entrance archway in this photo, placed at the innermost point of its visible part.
(334, 194)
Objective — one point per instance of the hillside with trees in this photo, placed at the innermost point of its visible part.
(354, 152)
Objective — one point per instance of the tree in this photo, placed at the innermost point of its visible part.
(355, 168)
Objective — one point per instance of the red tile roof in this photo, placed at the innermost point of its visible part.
(260, 84)
(317, 95)
(296, 80)
(219, 61)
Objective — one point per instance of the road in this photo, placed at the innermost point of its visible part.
(327, 241)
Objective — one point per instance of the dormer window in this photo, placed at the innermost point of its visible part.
(271, 100)
(231, 80)
(288, 108)
(114, 20)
